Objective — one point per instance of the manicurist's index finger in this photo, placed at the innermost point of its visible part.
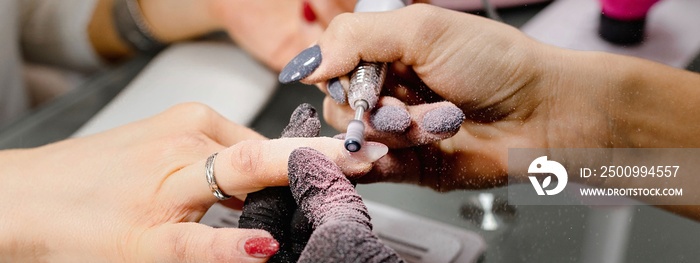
(377, 37)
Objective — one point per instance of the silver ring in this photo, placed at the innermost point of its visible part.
(209, 171)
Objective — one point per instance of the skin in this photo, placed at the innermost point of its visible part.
(135, 193)
(272, 31)
(155, 190)
(273, 209)
(514, 91)
(335, 233)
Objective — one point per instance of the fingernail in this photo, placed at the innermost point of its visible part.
(444, 119)
(261, 247)
(308, 12)
(302, 65)
(335, 89)
(390, 119)
(370, 152)
(339, 136)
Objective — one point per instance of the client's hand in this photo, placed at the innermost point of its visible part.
(275, 210)
(274, 31)
(135, 193)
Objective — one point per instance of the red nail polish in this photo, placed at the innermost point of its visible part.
(261, 247)
(309, 13)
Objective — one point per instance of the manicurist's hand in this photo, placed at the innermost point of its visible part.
(135, 193)
(513, 92)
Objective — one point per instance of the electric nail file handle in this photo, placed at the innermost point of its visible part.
(366, 80)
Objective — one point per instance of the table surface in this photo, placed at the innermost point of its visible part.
(534, 234)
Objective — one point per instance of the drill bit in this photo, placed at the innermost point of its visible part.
(365, 85)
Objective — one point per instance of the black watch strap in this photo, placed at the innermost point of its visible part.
(133, 27)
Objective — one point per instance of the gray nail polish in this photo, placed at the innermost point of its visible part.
(302, 65)
(444, 119)
(390, 119)
(335, 89)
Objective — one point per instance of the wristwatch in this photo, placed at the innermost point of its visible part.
(133, 27)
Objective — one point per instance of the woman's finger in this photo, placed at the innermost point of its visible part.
(400, 126)
(401, 82)
(472, 159)
(228, 133)
(273, 209)
(429, 166)
(326, 10)
(426, 166)
(253, 165)
(346, 42)
(337, 89)
(204, 119)
(406, 86)
(194, 242)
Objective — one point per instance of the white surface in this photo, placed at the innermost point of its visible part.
(607, 239)
(428, 240)
(219, 75)
(672, 36)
